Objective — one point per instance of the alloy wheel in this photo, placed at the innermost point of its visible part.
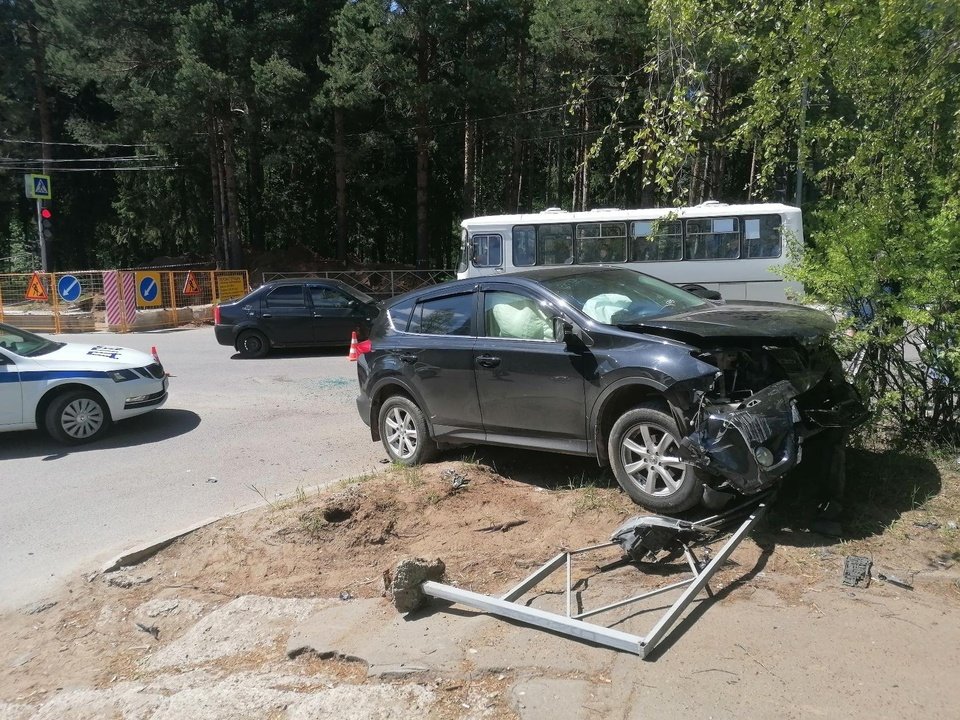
(401, 433)
(650, 456)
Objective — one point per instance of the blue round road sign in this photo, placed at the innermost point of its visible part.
(69, 288)
(148, 289)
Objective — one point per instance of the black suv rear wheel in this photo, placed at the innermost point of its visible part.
(404, 432)
(643, 450)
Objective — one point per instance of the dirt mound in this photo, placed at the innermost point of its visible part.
(488, 530)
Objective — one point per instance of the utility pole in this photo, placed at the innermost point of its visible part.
(44, 230)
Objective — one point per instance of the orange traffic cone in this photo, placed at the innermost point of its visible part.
(352, 357)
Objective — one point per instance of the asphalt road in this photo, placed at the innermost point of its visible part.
(232, 433)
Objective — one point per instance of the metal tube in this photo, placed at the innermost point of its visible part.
(660, 629)
(569, 573)
(591, 548)
(534, 578)
(621, 603)
(533, 616)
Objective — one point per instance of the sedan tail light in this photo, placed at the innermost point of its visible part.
(363, 347)
(216, 314)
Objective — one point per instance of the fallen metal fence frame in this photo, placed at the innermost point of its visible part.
(572, 624)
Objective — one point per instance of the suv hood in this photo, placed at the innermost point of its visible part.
(742, 319)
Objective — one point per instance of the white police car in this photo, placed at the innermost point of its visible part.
(75, 391)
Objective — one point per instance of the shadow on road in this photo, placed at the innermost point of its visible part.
(152, 427)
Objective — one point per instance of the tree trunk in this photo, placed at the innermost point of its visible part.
(585, 159)
(219, 245)
(255, 193)
(516, 156)
(340, 170)
(233, 206)
(647, 186)
(469, 201)
(423, 149)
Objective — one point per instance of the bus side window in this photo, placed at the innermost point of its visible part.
(487, 251)
(655, 241)
(555, 244)
(712, 239)
(601, 242)
(761, 236)
(524, 246)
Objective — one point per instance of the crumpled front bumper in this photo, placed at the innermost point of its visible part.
(754, 443)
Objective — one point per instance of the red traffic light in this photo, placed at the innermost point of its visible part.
(46, 214)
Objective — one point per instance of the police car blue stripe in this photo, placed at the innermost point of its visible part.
(41, 375)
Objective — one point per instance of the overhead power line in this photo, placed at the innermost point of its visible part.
(80, 144)
(119, 158)
(96, 169)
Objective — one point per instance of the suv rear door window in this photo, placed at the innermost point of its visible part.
(450, 315)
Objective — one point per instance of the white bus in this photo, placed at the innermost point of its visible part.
(733, 249)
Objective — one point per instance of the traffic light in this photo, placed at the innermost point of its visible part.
(46, 220)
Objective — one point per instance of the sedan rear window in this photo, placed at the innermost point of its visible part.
(286, 296)
(621, 297)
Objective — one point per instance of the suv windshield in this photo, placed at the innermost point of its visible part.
(621, 297)
(25, 343)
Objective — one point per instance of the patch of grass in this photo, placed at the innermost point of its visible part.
(357, 479)
(471, 458)
(313, 523)
(279, 502)
(592, 499)
(410, 475)
(586, 480)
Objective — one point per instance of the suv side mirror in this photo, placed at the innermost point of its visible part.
(565, 330)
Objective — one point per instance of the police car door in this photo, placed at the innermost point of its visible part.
(11, 394)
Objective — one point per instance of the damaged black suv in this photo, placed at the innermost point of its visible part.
(681, 396)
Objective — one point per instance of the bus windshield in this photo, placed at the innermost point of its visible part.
(615, 296)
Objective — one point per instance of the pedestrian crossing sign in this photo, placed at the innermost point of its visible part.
(38, 187)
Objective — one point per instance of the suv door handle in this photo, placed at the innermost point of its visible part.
(266, 315)
(488, 361)
(408, 357)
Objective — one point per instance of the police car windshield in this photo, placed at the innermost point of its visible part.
(25, 344)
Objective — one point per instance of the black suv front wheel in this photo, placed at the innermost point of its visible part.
(403, 429)
(643, 450)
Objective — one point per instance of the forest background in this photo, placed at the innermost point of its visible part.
(362, 132)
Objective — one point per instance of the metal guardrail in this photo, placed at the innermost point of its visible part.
(378, 283)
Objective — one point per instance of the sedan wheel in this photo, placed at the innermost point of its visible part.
(252, 344)
(644, 453)
(403, 430)
(77, 417)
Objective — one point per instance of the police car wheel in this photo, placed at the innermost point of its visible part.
(77, 417)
